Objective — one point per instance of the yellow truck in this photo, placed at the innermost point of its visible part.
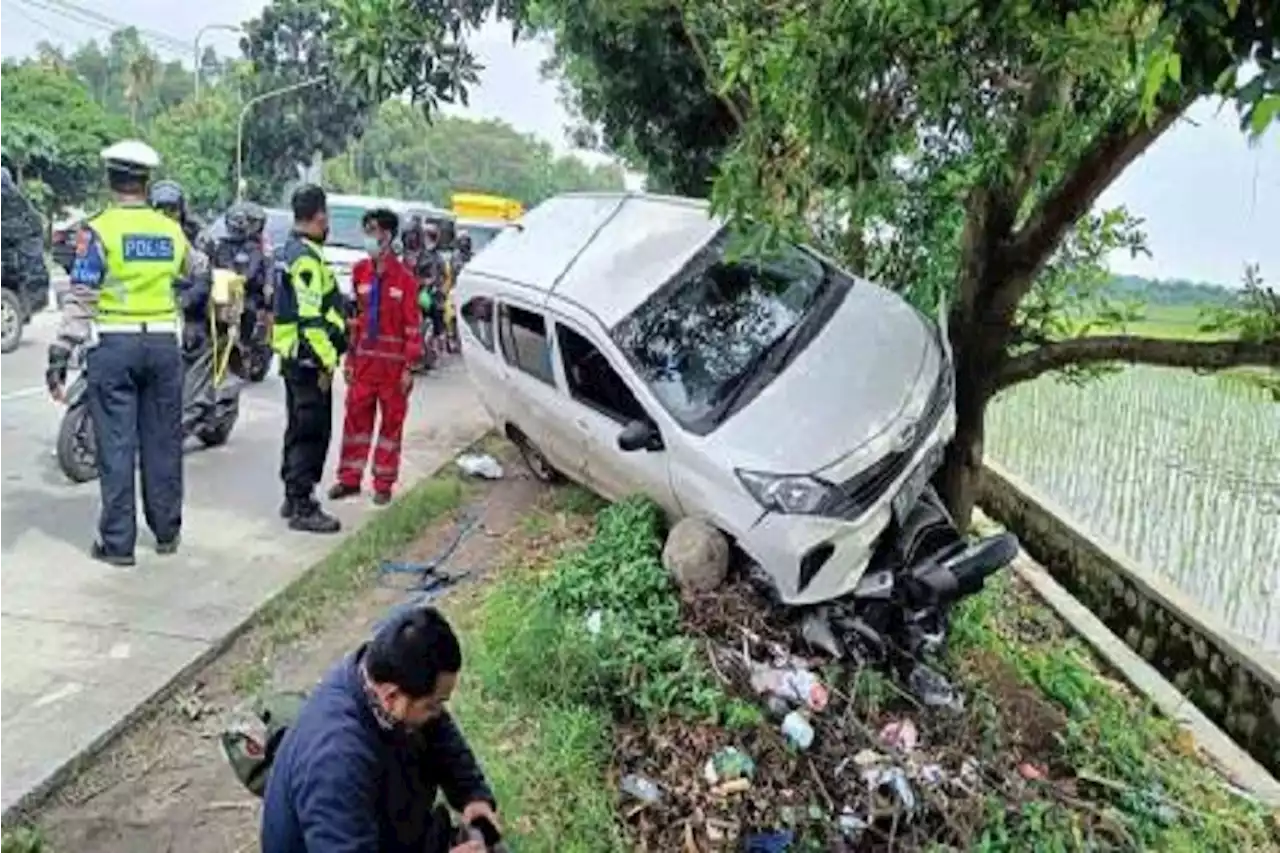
(484, 216)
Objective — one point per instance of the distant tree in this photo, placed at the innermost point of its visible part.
(58, 130)
(196, 140)
(404, 155)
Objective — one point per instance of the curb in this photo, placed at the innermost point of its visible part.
(1228, 757)
(32, 800)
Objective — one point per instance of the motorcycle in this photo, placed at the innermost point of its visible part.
(210, 392)
(251, 359)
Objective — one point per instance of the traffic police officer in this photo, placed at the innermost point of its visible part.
(309, 336)
(121, 305)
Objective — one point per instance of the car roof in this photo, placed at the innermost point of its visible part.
(606, 252)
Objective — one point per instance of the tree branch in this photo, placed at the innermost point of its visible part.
(1120, 143)
(1163, 352)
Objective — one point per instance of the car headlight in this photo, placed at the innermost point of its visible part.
(793, 494)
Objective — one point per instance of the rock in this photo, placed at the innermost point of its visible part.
(697, 555)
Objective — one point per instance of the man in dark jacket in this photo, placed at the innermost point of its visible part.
(359, 770)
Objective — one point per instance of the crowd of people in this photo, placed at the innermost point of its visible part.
(360, 768)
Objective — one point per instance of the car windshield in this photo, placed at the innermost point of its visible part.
(345, 230)
(482, 235)
(279, 224)
(701, 338)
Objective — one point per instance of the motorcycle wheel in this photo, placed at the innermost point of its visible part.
(218, 433)
(12, 320)
(77, 452)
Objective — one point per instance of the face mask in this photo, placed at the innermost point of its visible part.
(372, 245)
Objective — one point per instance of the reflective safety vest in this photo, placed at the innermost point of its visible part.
(145, 252)
(309, 326)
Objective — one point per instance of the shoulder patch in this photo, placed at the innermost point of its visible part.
(148, 247)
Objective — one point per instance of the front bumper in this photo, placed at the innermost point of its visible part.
(816, 558)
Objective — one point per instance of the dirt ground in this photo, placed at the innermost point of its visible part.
(166, 786)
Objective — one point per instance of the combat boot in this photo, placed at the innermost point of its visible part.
(308, 517)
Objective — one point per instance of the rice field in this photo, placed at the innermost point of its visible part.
(1180, 471)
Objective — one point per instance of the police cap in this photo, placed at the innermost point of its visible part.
(131, 157)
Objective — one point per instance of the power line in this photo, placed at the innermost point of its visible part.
(39, 24)
(159, 41)
(74, 8)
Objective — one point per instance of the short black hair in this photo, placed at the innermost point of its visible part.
(308, 202)
(412, 650)
(383, 218)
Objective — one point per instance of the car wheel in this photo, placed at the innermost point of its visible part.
(11, 321)
(535, 459)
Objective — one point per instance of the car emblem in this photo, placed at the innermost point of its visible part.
(906, 438)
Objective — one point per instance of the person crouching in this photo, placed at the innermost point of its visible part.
(385, 344)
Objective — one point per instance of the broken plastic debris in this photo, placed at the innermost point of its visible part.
(645, 790)
(794, 684)
(797, 731)
(595, 622)
(868, 758)
(1032, 772)
(931, 775)
(733, 786)
(480, 465)
(890, 790)
(901, 735)
(851, 825)
(933, 689)
(817, 632)
(728, 764)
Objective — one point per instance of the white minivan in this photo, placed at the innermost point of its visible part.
(797, 408)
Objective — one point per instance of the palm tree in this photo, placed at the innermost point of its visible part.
(140, 72)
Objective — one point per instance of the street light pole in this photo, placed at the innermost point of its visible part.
(244, 113)
(231, 28)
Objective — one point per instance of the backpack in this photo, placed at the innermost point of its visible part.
(250, 744)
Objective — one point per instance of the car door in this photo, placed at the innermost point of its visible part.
(600, 405)
(536, 404)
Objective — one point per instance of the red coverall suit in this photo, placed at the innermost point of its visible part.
(385, 341)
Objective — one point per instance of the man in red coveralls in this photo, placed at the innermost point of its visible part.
(385, 343)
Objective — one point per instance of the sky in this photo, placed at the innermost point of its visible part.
(1210, 200)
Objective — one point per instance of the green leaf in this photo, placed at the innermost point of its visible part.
(1264, 113)
(1174, 67)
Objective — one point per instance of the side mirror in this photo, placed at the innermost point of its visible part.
(639, 435)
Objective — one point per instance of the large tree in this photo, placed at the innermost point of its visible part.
(949, 148)
(404, 155)
(56, 132)
(197, 140)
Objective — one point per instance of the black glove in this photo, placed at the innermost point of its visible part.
(55, 375)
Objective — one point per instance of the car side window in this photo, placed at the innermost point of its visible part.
(523, 337)
(478, 315)
(593, 381)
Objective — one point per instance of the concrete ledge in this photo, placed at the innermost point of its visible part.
(1233, 762)
(1234, 684)
(33, 799)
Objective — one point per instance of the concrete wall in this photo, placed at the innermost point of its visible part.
(1234, 683)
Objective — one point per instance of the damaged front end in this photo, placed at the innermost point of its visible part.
(897, 615)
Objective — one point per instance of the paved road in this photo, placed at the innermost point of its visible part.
(84, 644)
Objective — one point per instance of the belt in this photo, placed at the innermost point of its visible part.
(166, 327)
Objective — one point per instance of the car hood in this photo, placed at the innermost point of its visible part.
(870, 368)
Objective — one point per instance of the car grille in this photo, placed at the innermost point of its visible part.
(856, 495)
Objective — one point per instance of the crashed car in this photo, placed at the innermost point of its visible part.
(623, 340)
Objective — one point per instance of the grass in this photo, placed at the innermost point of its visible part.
(1158, 795)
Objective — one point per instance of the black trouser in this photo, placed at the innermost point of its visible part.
(135, 400)
(309, 423)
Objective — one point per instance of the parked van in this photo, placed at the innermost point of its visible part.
(795, 407)
(345, 245)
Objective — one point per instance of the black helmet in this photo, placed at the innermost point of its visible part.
(167, 196)
(245, 219)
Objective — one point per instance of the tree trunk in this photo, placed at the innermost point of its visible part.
(957, 480)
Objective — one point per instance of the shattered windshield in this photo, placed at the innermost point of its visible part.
(702, 337)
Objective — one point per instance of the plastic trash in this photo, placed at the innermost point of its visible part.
(728, 764)
(797, 731)
(480, 465)
(769, 842)
(901, 735)
(595, 622)
(933, 689)
(851, 824)
(794, 684)
(816, 631)
(890, 789)
(644, 790)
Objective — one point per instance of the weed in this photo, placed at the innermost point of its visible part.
(23, 840)
(1121, 751)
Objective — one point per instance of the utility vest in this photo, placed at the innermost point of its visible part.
(145, 252)
(309, 325)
